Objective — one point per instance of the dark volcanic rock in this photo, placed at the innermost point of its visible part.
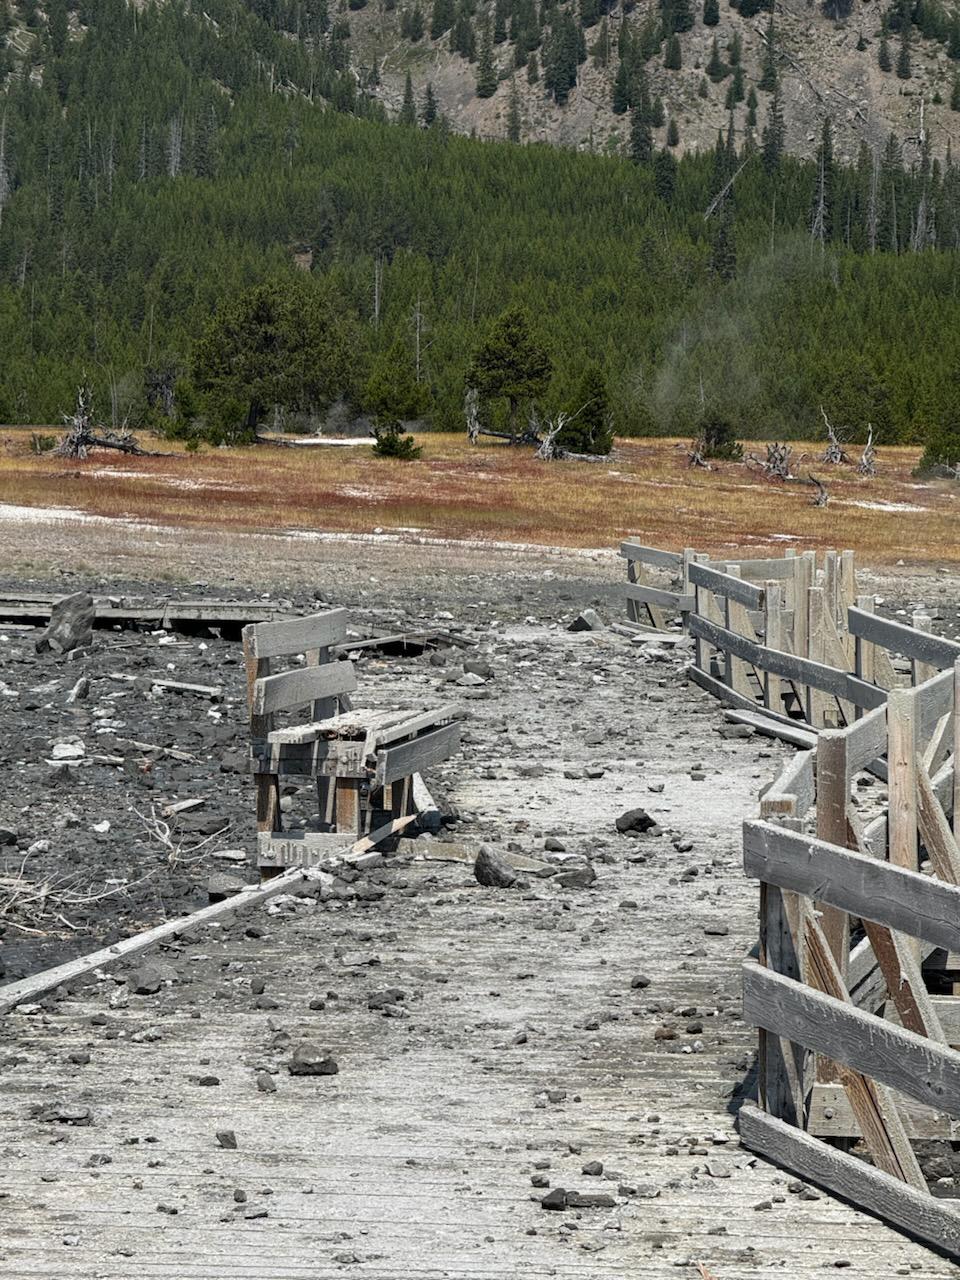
(308, 1060)
(635, 820)
(71, 625)
(492, 870)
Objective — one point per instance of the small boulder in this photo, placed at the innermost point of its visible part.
(70, 626)
(588, 620)
(492, 870)
(308, 1060)
(635, 820)
(578, 877)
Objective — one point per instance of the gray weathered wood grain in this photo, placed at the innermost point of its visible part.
(910, 1063)
(291, 636)
(935, 1221)
(863, 886)
(298, 688)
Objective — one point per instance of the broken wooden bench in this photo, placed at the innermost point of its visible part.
(363, 761)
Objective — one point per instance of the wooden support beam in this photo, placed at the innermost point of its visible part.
(874, 1108)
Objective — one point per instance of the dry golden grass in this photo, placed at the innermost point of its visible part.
(492, 492)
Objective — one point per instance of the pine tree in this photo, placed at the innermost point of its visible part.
(677, 15)
(716, 68)
(408, 111)
(752, 108)
(462, 38)
(955, 94)
(514, 120)
(672, 57)
(665, 175)
(673, 134)
(953, 39)
(736, 86)
(500, 13)
(768, 68)
(533, 70)
(601, 48)
(442, 18)
(486, 67)
(903, 57)
(590, 426)
(735, 49)
(511, 363)
(430, 109)
(589, 13)
(641, 139)
(723, 252)
(774, 134)
(621, 89)
(884, 61)
(711, 13)
(656, 113)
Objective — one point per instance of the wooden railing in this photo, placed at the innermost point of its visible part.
(857, 851)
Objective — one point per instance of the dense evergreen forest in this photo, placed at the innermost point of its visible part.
(157, 161)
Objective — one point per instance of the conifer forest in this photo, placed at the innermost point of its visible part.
(160, 163)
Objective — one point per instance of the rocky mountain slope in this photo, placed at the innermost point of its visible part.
(825, 68)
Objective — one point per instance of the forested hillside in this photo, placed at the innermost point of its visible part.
(155, 161)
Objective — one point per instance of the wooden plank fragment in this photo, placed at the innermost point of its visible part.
(299, 688)
(419, 754)
(935, 830)
(932, 1220)
(291, 636)
(903, 847)
(875, 1110)
(650, 555)
(643, 594)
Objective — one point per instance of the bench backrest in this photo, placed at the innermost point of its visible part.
(322, 685)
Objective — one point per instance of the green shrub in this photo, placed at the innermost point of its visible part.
(392, 443)
(719, 438)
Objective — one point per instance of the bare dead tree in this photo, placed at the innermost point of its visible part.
(821, 497)
(776, 465)
(82, 434)
(867, 466)
(696, 454)
(834, 454)
(471, 409)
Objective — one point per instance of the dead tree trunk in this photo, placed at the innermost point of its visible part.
(834, 454)
(822, 497)
(83, 436)
(867, 466)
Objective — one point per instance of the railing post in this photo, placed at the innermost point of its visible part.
(773, 639)
(780, 1063)
(922, 670)
(864, 650)
(903, 840)
(833, 797)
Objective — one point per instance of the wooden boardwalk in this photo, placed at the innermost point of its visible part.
(416, 1160)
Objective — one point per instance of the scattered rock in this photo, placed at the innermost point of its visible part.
(70, 626)
(492, 870)
(635, 820)
(308, 1060)
(588, 620)
(555, 1199)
